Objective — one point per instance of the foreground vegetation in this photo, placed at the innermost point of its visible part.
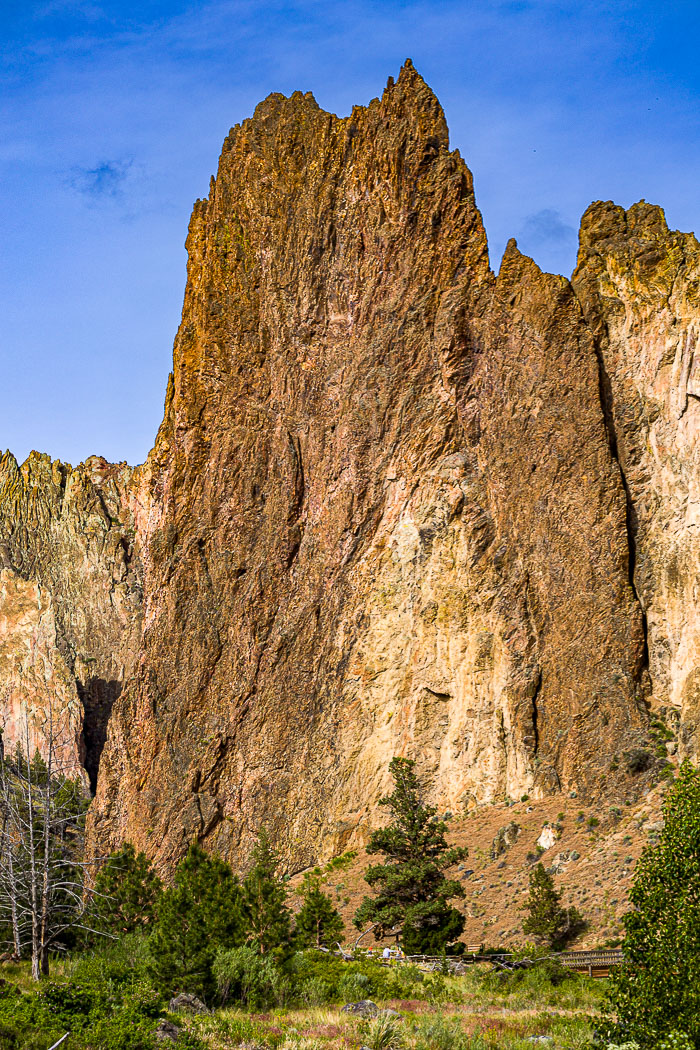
(109, 1000)
(123, 949)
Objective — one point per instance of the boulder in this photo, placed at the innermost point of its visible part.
(363, 1008)
(548, 837)
(167, 1032)
(186, 1003)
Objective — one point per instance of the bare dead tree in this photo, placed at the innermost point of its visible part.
(44, 891)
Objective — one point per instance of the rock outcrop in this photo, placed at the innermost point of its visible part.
(70, 600)
(639, 284)
(392, 508)
(387, 518)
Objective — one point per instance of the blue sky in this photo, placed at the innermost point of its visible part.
(113, 115)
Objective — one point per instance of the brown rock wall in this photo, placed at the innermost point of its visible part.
(384, 513)
(70, 596)
(398, 504)
(639, 286)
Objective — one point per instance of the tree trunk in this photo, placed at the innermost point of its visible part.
(36, 963)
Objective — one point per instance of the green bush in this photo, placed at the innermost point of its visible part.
(354, 986)
(317, 992)
(543, 976)
(104, 1000)
(250, 979)
(439, 1033)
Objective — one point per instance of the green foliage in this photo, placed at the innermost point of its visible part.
(105, 1000)
(657, 991)
(199, 914)
(127, 891)
(676, 1041)
(548, 922)
(317, 978)
(412, 889)
(250, 979)
(318, 922)
(382, 1033)
(440, 1033)
(267, 917)
(545, 974)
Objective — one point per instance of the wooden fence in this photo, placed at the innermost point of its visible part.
(594, 963)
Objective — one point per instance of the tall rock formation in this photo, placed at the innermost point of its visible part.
(640, 287)
(398, 505)
(385, 517)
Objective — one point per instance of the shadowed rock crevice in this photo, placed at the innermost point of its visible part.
(97, 697)
(631, 519)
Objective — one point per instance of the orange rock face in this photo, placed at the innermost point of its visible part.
(70, 604)
(384, 513)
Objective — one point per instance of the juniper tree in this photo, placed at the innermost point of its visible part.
(548, 922)
(195, 917)
(657, 990)
(413, 891)
(318, 922)
(127, 891)
(267, 917)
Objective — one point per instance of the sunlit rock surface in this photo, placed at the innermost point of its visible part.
(398, 505)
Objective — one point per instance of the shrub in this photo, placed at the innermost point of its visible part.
(104, 1001)
(250, 979)
(383, 1033)
(354, 986)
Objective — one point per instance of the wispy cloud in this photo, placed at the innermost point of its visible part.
(80, 8)
(113, 115)
(105, 181)
(547, 228)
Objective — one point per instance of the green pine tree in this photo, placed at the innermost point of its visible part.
(196, 916)
(657, 990)
(548, 922)
(318, 923)
(412, 889)
(127, 891)
(267, 917)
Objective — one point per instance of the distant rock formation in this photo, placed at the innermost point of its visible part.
(70, 602)
(397, 505)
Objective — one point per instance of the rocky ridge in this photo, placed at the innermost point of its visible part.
(398, 504)
(70, 603)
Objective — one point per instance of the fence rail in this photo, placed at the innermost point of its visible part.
(596, 963)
